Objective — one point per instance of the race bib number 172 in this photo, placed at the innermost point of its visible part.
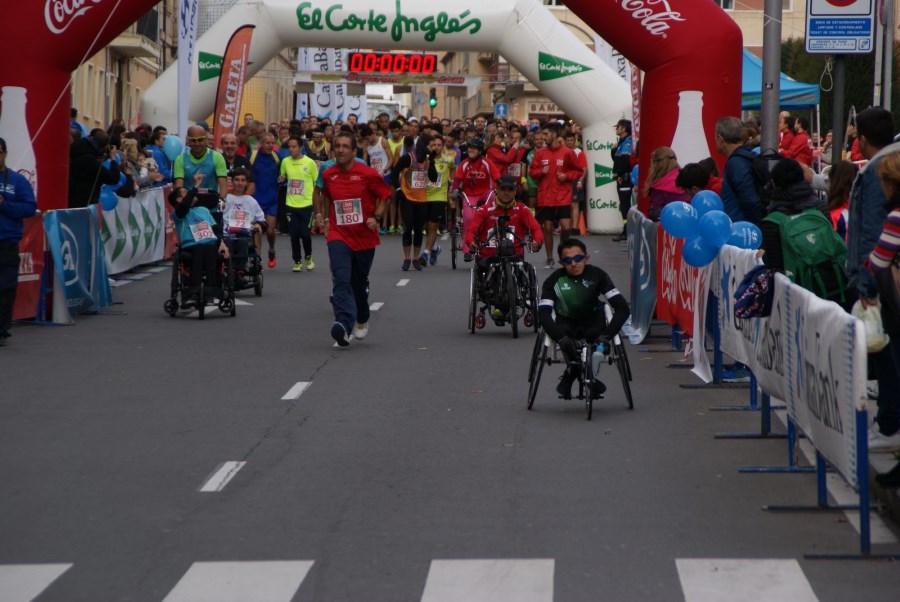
(348, 212)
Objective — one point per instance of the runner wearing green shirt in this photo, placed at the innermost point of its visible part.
(444, 161)
(300, 173)
(200, 167)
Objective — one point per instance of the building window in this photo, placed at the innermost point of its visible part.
(554, 3)
(725, 4)
(148, 25)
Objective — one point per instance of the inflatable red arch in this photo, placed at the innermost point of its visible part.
(679, 44)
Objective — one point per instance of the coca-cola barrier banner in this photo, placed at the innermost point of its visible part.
(31, 268)
(674, 283)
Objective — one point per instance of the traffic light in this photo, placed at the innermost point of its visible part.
(432, 101)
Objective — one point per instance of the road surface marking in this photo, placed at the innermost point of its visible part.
(376, 306)
(25, 582)
(743, 580)
(264, 581)
(403, 282)
(445, 236)
(222, 476)
(241, 302)
(297, 390)
(488, 580)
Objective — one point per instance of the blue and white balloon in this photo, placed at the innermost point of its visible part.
(679, 219)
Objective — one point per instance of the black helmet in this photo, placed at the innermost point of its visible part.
(476, 143)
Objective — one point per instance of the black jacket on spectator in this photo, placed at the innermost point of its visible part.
(87, 174)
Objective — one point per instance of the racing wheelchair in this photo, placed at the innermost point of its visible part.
(546, 352)
(216, 289)
(503, 285)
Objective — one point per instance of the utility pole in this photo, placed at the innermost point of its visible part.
(771, 75)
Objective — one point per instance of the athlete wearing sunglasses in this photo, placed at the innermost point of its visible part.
(576, 293)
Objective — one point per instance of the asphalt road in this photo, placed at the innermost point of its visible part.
(408, 468)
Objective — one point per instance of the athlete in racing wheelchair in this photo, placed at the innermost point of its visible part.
(571, 310)
(501, 278)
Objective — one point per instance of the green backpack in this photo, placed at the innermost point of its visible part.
(814, 254)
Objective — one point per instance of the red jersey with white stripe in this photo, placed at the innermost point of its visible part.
(560, 160)
(352, 196)
(476, 177)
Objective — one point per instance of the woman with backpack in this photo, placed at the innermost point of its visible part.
(798, 238)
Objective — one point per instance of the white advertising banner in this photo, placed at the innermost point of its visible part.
(809, 353)
(134, 233)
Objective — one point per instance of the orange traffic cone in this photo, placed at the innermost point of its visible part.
(582, 226)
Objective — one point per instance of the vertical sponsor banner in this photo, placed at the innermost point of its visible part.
(31, 267)
(701, 296)
(82, 284)
(187, 34)
(302, 99)
(231, 83)
(635, 102)
(320, 102)
(674, 284)
(337, 61)
(642, 256)
(134, 233)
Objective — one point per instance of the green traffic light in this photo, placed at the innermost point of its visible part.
(433, 102)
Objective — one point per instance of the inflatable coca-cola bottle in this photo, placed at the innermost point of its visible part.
(49, 40)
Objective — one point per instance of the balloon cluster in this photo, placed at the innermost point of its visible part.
(706, 227)
(108, 197)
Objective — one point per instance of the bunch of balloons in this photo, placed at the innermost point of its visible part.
(108, 197)
(706, 227)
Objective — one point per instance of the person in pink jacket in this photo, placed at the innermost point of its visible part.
(660, 185)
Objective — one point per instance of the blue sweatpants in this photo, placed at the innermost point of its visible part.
(350, 281)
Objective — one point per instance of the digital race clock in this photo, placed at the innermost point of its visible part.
(391, 62)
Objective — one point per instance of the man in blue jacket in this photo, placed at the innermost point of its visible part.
(739, 193)
(16, 203)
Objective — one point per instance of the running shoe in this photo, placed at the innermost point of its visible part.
(418, 265)
(298, 266)
(467, 257)
(310, 264)
(272, 261)
(405, 266)
(360, 330)
(434, 254)
(339, 334)
(423, 258)
(737, 375)
(550, 263)
(564, 388)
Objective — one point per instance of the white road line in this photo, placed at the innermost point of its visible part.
(158, 269)
(376, 306)
(445, 236)
(242, 302)
(403, 282)
(25, 582)
(118, 283)
(526, 580)
(137, 275)
(297, 390)
(743, 580)
(263, 581)
(221, 477)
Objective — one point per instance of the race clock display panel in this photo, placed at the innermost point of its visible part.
(392, 62)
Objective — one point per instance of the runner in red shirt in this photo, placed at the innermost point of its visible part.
(555, 167)
(355, 196)
(477, 177)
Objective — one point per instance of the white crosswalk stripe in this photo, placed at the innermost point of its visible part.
(743, 580)
(264, 581)
(25, 582)
(523, 580)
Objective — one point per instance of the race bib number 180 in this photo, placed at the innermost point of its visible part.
(348, 212)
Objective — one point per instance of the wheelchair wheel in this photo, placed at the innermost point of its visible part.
(621, 361)
(454, 240)
(227, 306)
(473, 301)
(532, 296)
(201, 301)
(538, 359)
(171, 307)
(512, 296)
(258, 286)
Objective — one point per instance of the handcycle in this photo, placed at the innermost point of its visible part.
(546, 352)
(457, 223)
(509, 283)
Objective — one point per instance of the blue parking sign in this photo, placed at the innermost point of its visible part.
(501, 110)
(840, 26)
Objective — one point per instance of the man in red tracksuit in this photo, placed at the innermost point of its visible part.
(554, 167)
